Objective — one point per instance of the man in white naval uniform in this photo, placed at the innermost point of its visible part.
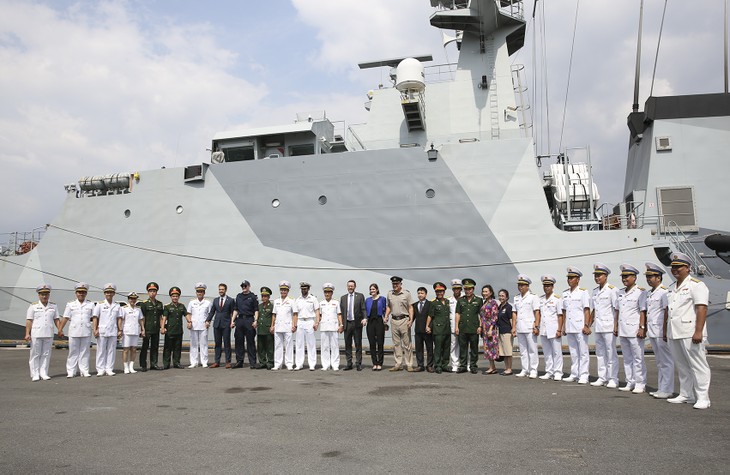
(526, 325)
(330, 326)
(308, 315)
(576, 305)
(108, 319)
(78, 312)
(632, 329)
(688, 300)
(551, 329)
(604, 302)
(40, 319)
(285, 323)
(656, 327)
(198, 310)
(454, 352)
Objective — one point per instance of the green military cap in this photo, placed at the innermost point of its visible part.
(468, 283)
(175, 290)
(153, 286)
(265, 291)
(439, 286)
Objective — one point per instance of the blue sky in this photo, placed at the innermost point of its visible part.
(97, 87)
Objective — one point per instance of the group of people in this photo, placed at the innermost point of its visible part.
(448, 329)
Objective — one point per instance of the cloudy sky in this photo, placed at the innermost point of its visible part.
(97, 87)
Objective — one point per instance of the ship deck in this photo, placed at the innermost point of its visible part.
(243, 421)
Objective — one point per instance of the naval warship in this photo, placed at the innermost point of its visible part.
(443, 181)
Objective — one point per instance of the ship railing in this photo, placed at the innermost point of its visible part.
(20, 242)
(682, 244)
(625, 215)
(523, 107)
(352, 140)
(436, 73)
(513, 8)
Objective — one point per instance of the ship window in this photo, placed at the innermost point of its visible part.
(677, 209)
(127, 213)
(239, 154)
(301, 149)
(430, 193)
(275, 203)
(322, 200)
(179, 210)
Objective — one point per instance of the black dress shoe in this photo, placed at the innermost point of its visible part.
(461, 370)
(157, 368)
(143, 369)
(359, 367)
(165, 367)
(253, 366)
(473, 370)
(177, 366)
(438, 370)
(238, 365)
(348, 367)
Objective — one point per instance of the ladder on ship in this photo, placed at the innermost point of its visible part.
(414, 111)
(684, 245)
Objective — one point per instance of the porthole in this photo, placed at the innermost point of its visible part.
(322, 200)
(127, 213)
(275, 203)
(179, 209)
(430, 193)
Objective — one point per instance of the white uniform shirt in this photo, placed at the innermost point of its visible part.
(132, 316)
(452, 314)
(79, 317)
(525, 306)
(284, 311)
(574, 303)
(43, 317)
(328, 315)
(656, 303)
(107, 313)
(630, 306)
(550, 308)
(199, 311)
(307, 306)
(605, 303)
(682, 301)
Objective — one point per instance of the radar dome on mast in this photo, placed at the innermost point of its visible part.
(410, 76)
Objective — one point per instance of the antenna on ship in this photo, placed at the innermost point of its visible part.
(635, 106)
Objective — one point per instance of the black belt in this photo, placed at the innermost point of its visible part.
(401, 317)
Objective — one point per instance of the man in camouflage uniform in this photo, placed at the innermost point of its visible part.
(439, 325)
(264, 330)
(152, 311)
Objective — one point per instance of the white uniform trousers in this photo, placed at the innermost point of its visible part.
(78, 355)
(579, 356)
(305, 334)
(528, 351)
(454, 352)
(330, 349)
(552, 349)
(283, 350)
(664, 364)
(694, 373)
(607, 357)
(40, 356)
(199, 347)
(632, 349)
(106, 350)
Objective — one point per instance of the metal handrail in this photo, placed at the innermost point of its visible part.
(684, 245)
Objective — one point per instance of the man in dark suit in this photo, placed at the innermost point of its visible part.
(247, 304)
(420, 315)
(352, 305)
(220, 314)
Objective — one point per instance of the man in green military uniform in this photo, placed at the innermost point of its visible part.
(152, 311)
(264, 330)
(468, 326)
(173, 315)
(438, 324)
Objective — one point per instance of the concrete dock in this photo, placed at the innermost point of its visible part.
(257, 421)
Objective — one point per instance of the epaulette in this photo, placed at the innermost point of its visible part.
(694, 280)
(123, 304)
(558, 296)
(54, 303)
(611, 286)
(581, 288)
(662, 287)
(642, 289)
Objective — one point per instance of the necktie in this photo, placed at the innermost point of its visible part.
(350, 309)
(420, 307)
(221, 301)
